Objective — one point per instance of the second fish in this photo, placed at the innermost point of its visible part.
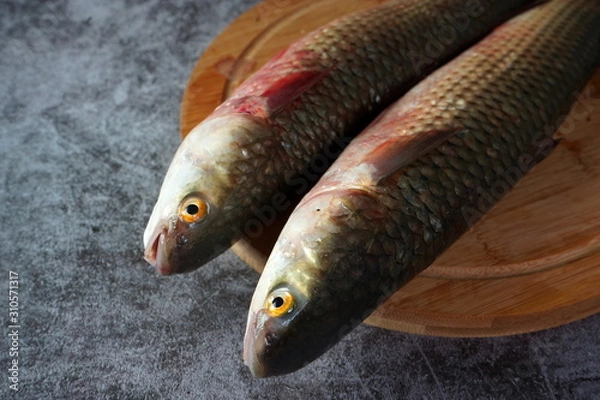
(408, 186)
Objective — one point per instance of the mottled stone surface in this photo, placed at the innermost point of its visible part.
(89, 109)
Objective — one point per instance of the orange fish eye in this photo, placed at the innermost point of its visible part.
(193, 209)
(279, 303)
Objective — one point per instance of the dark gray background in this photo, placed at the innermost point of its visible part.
(89, 111)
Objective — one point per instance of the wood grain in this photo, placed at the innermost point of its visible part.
(529, 264)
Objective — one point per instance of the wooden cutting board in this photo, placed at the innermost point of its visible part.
(531, 263)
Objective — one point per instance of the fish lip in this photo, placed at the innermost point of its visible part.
(251, 350)
(261, 353)
(155, 253)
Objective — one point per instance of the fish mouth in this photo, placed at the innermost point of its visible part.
(155, 253)
(265, 352)
(253, 345)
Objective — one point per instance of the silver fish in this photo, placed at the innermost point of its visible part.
(409, 185)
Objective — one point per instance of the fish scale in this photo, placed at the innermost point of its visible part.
(398, 195)
(319, 92)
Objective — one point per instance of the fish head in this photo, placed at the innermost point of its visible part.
(194, 218)
(279, 339)
(311, 293)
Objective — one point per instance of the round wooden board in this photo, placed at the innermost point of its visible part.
(531, 263)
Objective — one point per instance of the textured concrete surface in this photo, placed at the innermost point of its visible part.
(89, 104)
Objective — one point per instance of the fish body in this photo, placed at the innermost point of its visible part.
(416, 179)
(309, 99)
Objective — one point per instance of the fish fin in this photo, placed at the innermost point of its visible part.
(276, 84)
(391, 156)
(279, 89)
(283, 90)
(264, 95)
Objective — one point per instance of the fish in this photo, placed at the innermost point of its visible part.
(247, 159)
(417, 178)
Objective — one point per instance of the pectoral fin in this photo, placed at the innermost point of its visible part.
(395, 154)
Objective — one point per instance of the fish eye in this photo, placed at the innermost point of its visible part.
(193, 209)
(279, 303)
